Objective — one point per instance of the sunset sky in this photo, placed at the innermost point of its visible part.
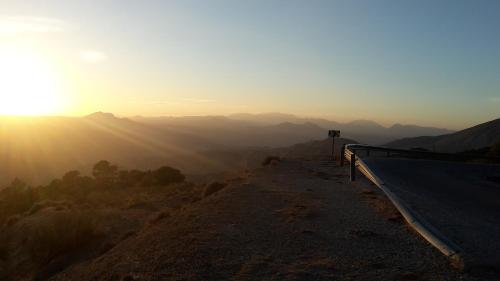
(422, 62)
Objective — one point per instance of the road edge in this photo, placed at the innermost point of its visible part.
(448, 248)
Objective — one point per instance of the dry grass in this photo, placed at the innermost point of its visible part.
(40, 244)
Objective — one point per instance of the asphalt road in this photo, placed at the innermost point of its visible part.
(460, 200)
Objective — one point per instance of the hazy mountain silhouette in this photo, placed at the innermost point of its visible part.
(476, 137)
(38, 149)
(364, 131)
(41, 148)
(238, 133)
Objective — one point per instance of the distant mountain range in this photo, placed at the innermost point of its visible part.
(279, 129)
(479, 136)
(364, 131)
(37, 149)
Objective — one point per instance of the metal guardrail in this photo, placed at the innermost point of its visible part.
(426, 230)
(414, 153)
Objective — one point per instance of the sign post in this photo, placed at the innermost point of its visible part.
(333, 134)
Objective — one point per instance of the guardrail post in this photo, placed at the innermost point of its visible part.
(367, 152)
(353, 165)
(342, 156)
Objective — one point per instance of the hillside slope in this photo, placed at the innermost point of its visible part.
(292, 221)
(479, 136)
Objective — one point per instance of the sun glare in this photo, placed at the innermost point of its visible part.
(27, 85)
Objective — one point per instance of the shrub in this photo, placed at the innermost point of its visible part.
(271, 160)
(52, 191)
(16, 198)
(213, 187)
(167, 175)
(131, 178)
(104, 172)
(62, 234)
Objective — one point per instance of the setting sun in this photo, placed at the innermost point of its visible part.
(29, 86)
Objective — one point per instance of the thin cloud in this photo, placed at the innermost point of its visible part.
(494, 99)
(92, 56)
(195, 100)
(165, 103)
(186, 101)
(29, 24)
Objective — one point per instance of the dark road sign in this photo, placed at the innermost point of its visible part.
(334, 133)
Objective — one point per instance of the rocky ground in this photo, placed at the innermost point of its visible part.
(292, 220)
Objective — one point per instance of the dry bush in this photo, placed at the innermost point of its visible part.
(213, 187)
(61, 234)
(271, 160)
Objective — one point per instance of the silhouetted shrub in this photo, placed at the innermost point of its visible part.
(167, 175)
(271, 160)
(75, 186)
(131, 178)
(213, 187)
(52, 191)
(16, 198)
(71, 178)
(104, 172)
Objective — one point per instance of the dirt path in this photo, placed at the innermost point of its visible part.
(294, 221)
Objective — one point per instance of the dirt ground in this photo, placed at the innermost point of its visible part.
(292, 220)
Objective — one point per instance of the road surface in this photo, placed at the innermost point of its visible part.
(460, 200)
